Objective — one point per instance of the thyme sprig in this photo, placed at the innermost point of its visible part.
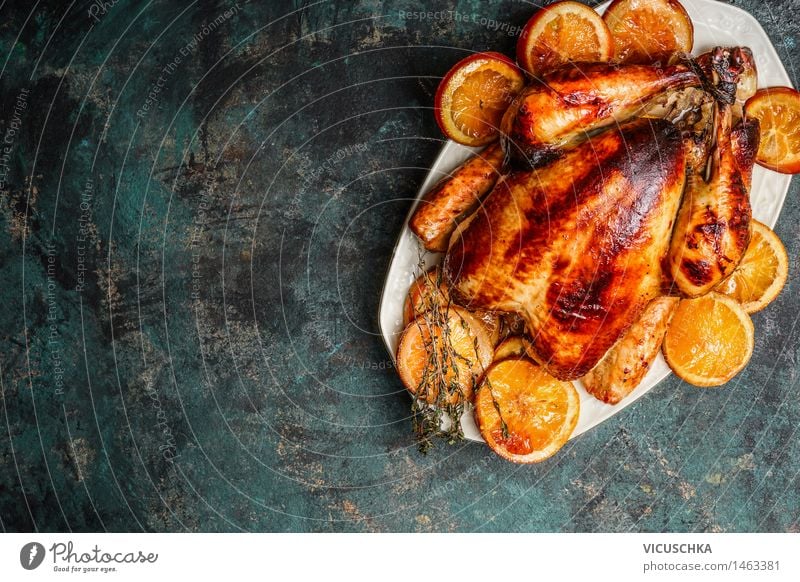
(439, 400)
(503, 425)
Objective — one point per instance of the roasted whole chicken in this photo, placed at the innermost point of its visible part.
(575, 246)
(620, 185)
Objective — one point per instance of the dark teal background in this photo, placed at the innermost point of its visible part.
(198, 212)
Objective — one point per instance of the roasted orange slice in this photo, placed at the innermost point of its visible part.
(762, 272)
(648, 30)
(709, 340)
(474, 95)
(441, 355)
(427, 292)
(524, 414)
(778, 111)
(516, 346)
(561, 33)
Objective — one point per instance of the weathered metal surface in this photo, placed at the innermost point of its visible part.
(198, 204)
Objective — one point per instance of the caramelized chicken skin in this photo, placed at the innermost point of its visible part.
(745, 139)
(568, 104)
(713, 227)
(454, 198)
(575, 246)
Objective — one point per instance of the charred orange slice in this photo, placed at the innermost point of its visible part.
(561, 33)
(441, 355)
(762, 272)
(524, 414)
(427, 292)
(474, 95)
(778, 112)
(709, 340)
(644, 31)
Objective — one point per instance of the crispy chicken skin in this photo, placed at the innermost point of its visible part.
(567, 105)
(454, 198)
(626, 364)
(745, 139)
(713, 227)
(575, 246)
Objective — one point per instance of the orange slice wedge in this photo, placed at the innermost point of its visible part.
(441, 355)
(428, 291)
(524, 414)
(561, 33)
(778, 112)
(474, 95)
(761, 273)
(644, 31)
(709, 340)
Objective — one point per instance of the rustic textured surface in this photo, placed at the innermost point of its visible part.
(196, 215)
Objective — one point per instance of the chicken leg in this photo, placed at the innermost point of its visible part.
(713, 227)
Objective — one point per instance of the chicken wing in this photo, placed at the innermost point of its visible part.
(625, 365)
(575, 246)
(570, 103)
(454, 198)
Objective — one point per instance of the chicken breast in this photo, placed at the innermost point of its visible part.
(575, 247)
